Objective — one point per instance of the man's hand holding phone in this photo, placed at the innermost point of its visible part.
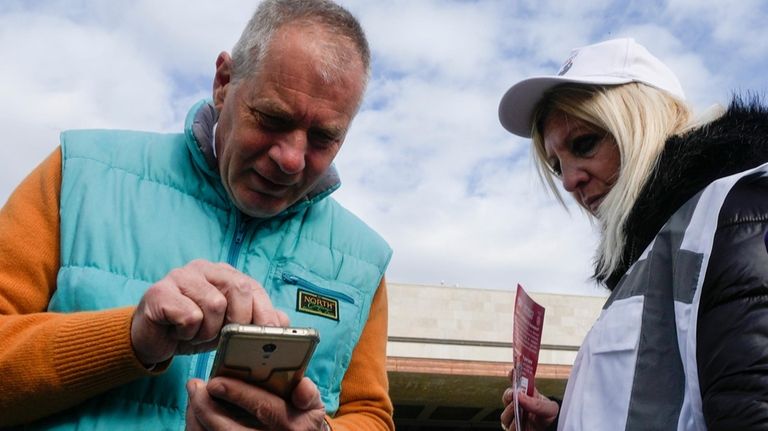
(184, 313)
(258, 374)
(260, 409)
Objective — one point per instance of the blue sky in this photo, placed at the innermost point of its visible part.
(426, 162)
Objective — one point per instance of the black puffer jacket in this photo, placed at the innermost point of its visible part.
(732, 338)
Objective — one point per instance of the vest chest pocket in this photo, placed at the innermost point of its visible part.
(333, 308)
(314, 299)
(618, 329)
(308, 293)
(603, 378)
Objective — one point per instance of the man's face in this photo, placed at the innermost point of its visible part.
(280, 128)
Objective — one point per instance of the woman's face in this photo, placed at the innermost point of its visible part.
(584, 157)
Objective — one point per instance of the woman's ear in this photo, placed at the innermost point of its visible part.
(222, 79)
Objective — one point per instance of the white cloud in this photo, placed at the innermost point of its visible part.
(431, 38)
(186, 36)
(739, 25)
(426, 162)
(62, 75)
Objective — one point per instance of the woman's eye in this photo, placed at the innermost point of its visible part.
(555, 168)
(583, 145)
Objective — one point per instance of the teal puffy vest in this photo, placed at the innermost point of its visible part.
(135, 205)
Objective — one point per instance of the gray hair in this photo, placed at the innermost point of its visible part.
(253, 45)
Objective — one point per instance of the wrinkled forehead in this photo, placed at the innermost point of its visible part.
(333, 56)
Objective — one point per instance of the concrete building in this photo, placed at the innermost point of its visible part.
(450, 350)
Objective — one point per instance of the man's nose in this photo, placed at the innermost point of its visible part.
(290, 151)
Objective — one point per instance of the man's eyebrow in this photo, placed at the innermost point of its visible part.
(270, 107)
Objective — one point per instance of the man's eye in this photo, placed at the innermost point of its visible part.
(583, 145)
(321, 139)
(271, 122)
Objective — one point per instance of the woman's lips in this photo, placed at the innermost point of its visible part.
(593, 203)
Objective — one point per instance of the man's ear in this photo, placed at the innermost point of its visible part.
(222, 79)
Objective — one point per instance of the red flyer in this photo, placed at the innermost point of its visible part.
(526, 333)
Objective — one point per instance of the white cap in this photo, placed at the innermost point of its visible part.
(616, 61)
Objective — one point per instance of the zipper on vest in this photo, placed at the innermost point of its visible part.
(201, 366)
(237, 241)
(298, 281)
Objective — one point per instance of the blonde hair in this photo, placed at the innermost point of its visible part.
(640, 119)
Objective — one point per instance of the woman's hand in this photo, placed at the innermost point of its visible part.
(540, 412)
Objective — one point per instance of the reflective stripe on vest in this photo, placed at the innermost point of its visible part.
(636, 369)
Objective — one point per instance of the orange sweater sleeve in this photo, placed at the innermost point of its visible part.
(364, 404)
(50, 361)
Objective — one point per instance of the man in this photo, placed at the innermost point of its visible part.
(228, 222)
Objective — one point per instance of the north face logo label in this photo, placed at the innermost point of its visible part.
(323, 306)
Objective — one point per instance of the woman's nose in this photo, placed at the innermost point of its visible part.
(573, 176)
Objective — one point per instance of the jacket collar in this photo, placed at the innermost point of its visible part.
(735, 142)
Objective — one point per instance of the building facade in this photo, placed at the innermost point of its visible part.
(450, 350)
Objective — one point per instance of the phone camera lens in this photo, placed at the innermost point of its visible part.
(269, 348)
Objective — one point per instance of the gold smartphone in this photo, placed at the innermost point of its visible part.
(270, 357)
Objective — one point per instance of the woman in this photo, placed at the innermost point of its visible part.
(682, 342)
